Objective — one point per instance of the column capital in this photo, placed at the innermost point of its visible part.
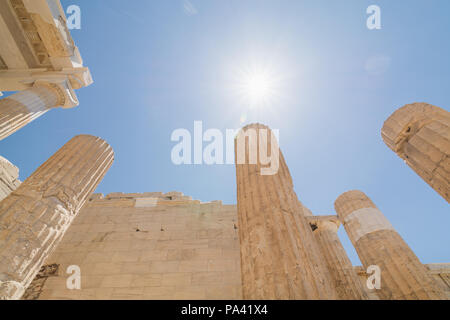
(324, 223)
(63, 90)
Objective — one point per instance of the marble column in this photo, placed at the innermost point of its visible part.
(345, 279)
(419, 133)
(403, 276)
(34, 218)
(280, 258)
(19, 109)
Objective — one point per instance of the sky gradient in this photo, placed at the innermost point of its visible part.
(161, 65)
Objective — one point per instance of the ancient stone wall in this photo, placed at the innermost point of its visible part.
(148, 246)
(156, 246)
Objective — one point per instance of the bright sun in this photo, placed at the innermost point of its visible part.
(257, 87)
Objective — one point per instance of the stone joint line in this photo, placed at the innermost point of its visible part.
(367, 220)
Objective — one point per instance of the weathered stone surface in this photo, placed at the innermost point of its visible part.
(403, 276)
(175, 248)
(419, 133)
(34, 290)
(171, 249)
(9, 178)
(441, 273)
(280, 258)
(34, 217)
(344, 277)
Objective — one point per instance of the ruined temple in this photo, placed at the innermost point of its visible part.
(169, 246)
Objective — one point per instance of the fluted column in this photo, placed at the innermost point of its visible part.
(403, 276)
(19, 109)
(279, 256)
(419, 133)
(345, 279)
(34, 218)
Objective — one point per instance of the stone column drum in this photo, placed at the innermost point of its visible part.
(403, 276)
(419, 133)
(279, 257)
(19, 109)
(346, 281)
(34, 218)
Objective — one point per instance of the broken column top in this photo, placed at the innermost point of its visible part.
(351, 201)
(407, 120)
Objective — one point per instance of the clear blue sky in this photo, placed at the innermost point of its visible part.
(160, 65)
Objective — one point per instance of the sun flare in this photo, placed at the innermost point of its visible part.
(257, 87)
